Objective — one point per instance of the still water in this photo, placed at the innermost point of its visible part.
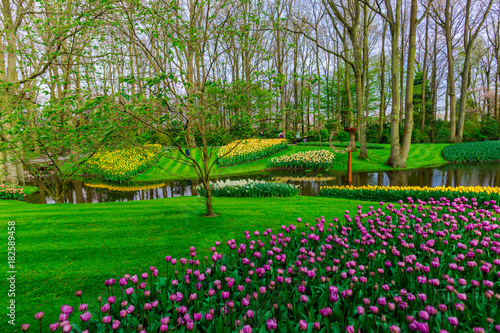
(310, 183)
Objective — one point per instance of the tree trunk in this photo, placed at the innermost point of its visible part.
(451, 73)
(381, 114)
(410, 74)
(469, 40)
(394, 157)
(424, 74)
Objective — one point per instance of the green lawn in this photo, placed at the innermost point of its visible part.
(421, 155)
(64, 248)
(29, 189)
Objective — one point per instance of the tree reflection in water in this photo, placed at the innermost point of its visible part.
(310, 183)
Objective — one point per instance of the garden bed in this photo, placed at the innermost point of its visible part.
(421, 266)
(247, 151)
(310, 159)
(249, 188)
(483, 151)
(395, 193)
(14, 192)
(119, 166)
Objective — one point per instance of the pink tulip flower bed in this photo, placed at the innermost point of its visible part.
(419, 266)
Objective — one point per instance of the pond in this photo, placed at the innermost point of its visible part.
(309, 182)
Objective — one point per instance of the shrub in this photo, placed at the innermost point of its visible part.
(122, 164)
(394, 193)
(11, 192)
(315, 135)
(246, 151)
(417, 136)
(422, 266)
(441, 131)
(342, 144)
(485, 151)
(472, 131)
(249, 188)
(490, 128)
(310, 159)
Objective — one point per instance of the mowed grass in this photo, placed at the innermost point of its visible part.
(421, 155)
(64, 248)
(29, 189)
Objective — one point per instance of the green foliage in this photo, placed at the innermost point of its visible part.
(472, 131)
(417, 136)
(250, 188)
(342, 144)
(66, 135)
(441, 130)
(485, 151)
(490, 128)
(417, 101)
(317, 135)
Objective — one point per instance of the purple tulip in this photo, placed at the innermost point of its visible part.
(424, 315)
(115, 325)
(25, 327)
(302, 325)
(66, 309)
(453, 321)
(271, 324)
(85, 316)
(246, 329)
(39, 315)
(394, 329)
(53, 327)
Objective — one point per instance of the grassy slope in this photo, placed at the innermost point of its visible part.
(30, 189)
(64, 248)
(420, 155)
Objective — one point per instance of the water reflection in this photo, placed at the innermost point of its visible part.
(310, 183)
(79, 192)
